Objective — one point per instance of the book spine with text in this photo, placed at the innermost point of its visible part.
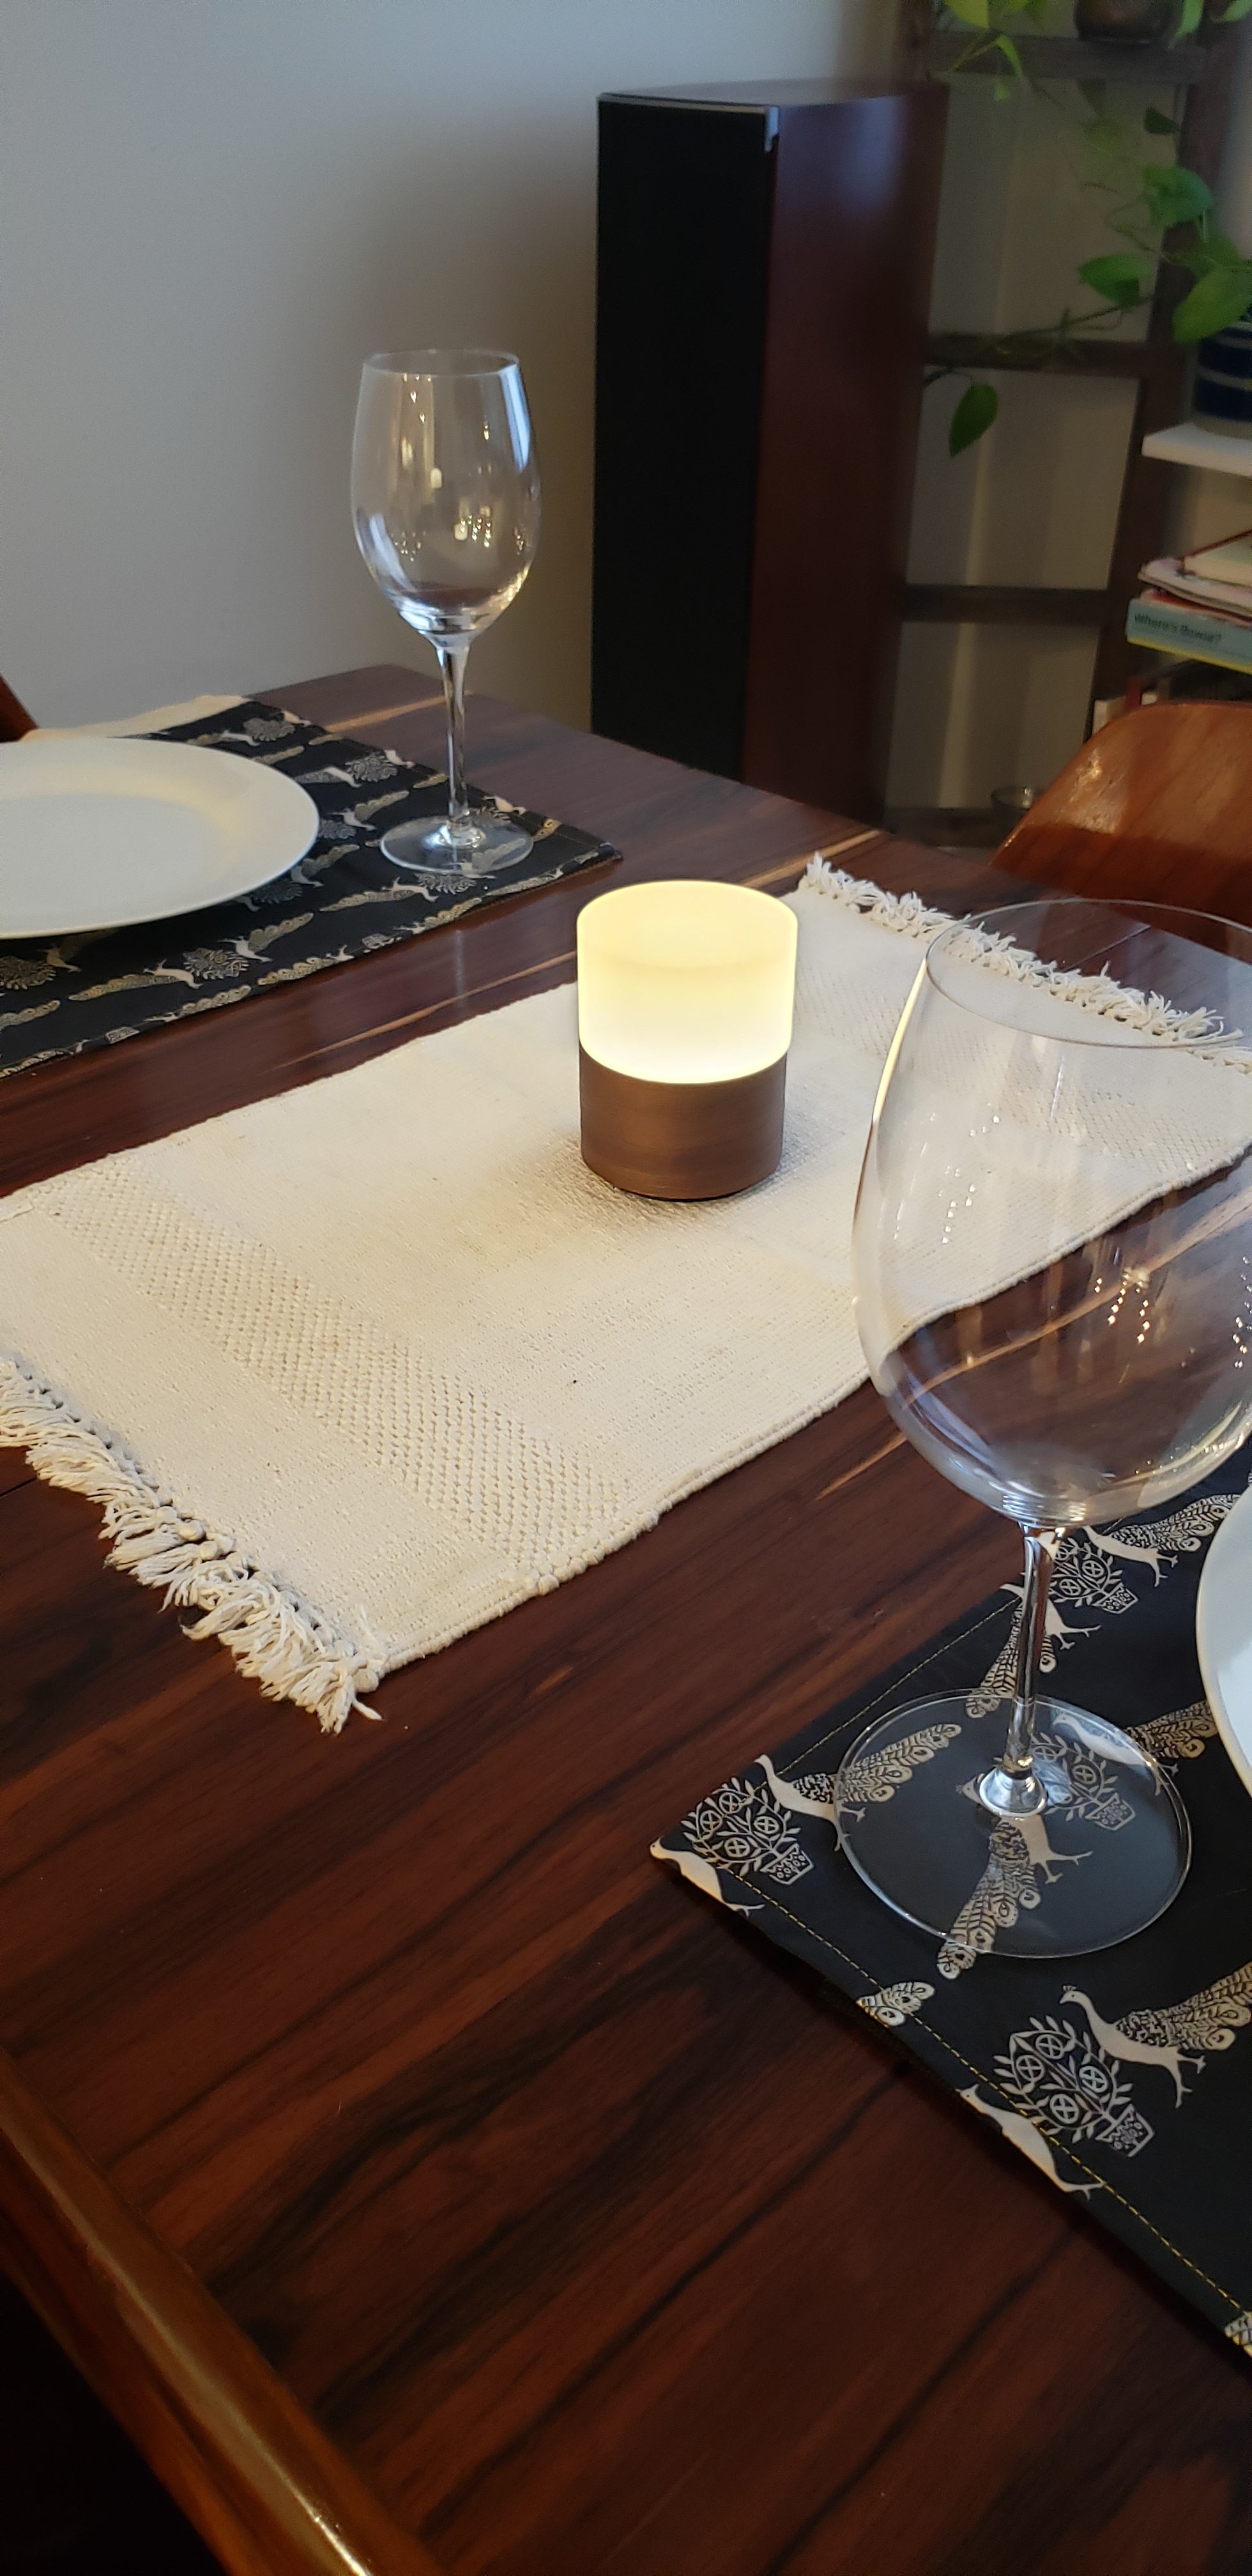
(1202, 637)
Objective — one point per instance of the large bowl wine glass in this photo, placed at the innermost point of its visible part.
(1053, 1262)
(445, 505)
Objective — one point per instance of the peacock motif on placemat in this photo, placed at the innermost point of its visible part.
(820, 1788)
(813, 1794)
(21, 974)
(1062, 2079)
(1006, 1885)
(1180, 1533)
(747, 1826)
(1081, 1580)
(700, 1873)
(1083, 1782)
(1033, 1832)
(1020, 1852)
(875, 1777)
(249, 730)
(1175, 2035)
(742, 1827)
(367, 768)
(1092, 1574)
(892, 2005)
(1026, 2136)
(1180, 1736)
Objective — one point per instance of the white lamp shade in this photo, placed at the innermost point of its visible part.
(686, 980)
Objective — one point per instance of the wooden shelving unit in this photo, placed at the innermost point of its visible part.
(1156, 364)
(1072, 58)
(1213, 451)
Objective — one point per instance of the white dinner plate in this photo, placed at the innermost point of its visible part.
(97, 833)
(1223, 1634)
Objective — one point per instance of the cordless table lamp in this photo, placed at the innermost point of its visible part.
(685, 993)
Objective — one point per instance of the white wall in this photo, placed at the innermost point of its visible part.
(212, 210)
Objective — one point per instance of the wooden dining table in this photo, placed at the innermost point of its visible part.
(425, 2178)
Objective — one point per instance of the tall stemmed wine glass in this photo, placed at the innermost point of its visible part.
(1053, 1262)
(445, 505)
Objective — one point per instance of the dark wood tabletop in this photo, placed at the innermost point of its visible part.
(420, 2172)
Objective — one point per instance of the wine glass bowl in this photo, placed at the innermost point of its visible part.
(1053, 1265)
(445, 509)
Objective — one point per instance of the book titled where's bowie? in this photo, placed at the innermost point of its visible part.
(1199, 604)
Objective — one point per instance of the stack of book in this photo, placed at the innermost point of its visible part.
(1198, 605)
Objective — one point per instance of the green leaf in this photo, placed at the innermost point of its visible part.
(1176, 196)
(1153, 121)
(1123, 276)
(1192, 12)
(1237, 9)
(1221, 296)
(974, 414)
(972, 13)
(1006, 46)
(1215, 251)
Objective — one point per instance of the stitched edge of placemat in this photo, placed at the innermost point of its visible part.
(776, 1823)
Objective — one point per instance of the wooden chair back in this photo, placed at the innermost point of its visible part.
(14, 721)
(1158, 804)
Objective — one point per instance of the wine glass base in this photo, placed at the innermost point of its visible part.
(468, 849)
(1101, 1860)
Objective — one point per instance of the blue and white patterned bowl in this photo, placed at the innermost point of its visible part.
(1223, 380)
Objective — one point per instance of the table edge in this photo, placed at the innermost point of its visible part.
(267, 2490)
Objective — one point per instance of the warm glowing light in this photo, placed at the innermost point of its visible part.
(686, 980)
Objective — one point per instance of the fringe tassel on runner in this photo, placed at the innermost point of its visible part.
(993, 948)
(274, 1638)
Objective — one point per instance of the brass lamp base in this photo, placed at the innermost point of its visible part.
(681, 1140)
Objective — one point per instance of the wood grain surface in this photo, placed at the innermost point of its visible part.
(599, 2239)
(271, 2493)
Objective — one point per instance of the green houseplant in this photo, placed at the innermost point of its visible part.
(1157, 210)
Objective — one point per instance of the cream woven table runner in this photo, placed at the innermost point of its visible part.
(352, 1370)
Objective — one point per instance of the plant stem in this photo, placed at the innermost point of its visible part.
(1061, 333)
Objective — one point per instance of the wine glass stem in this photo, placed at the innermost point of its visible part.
(1014, 1788)
(452, 661)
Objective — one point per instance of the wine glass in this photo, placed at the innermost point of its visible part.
(1053, 1265)
(445, 506)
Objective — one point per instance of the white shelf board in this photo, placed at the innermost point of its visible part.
(1189, 444)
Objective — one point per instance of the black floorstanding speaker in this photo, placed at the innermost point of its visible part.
(765, 256)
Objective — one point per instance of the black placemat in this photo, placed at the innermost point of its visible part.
(344, 899)
(1126, 2076)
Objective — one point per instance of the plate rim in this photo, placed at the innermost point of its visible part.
(255, 875)
(1240, 1753)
